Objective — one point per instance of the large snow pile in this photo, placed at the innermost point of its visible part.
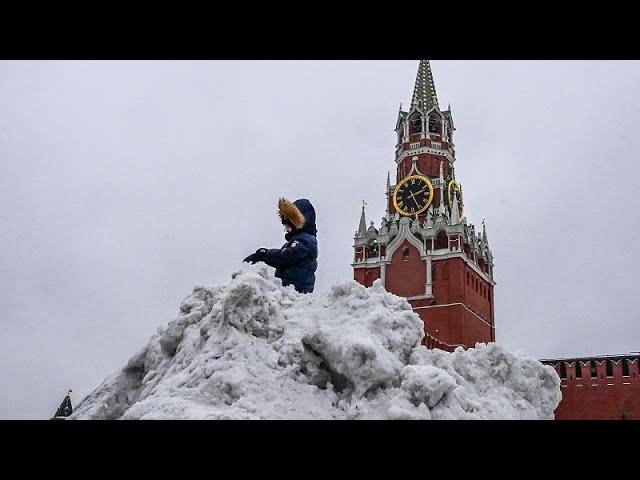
(253, 349)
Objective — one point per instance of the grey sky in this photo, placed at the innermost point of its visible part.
(123, 184)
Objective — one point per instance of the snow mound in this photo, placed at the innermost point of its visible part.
(253, 349)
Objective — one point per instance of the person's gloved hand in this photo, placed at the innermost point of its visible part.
(259, 256)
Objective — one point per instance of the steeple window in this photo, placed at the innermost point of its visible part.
(415, 123)
(435, 124)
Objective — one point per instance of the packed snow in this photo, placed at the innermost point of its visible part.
(253, 349)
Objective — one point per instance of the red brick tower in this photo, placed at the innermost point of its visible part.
(425, 249)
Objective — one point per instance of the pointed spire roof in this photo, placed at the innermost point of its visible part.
(362, 227)
(484, 232)
(424, 91)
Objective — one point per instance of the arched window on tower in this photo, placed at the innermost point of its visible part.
(609, 368)
(415, 123)
(563, 370)
(625, 368)
(435, 124)
(442, 240)
(593, 369)
(445, 271)
(405, 254)
(372, 250)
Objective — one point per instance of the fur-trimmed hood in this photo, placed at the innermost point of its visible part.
(300, 214)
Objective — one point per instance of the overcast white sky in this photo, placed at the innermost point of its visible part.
(123, 184)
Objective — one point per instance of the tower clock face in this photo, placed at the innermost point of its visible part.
(413, 195)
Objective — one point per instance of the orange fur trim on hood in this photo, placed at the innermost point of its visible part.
(288, 211)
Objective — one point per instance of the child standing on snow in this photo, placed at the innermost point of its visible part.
(296, 262)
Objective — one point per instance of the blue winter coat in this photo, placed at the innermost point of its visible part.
(296, 262)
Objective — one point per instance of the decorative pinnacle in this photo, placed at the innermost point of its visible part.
(424, 91)
(362, 227)
(484, 232)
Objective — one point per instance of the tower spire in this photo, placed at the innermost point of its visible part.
(362, 227)
(424, 91)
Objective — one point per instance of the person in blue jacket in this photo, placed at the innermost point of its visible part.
(296, 262)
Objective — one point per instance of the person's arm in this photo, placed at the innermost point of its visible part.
(287, 256)
(256, 257)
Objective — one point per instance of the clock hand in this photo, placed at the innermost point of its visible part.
(413, 196)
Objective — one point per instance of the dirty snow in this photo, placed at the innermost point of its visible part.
(253, 349)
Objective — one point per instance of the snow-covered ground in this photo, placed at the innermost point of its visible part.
(252, 349)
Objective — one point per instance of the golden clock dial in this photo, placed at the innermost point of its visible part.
(413, 195)
(455, 187)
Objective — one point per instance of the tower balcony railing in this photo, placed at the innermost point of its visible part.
(372, 255)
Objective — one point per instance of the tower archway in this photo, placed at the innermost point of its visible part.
(442, 240)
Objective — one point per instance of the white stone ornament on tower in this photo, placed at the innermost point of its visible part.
(429, 221)
(455, 213)
(393, 229)
(384, 226)
(415, 226)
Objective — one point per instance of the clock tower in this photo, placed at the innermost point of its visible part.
(425, 249)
